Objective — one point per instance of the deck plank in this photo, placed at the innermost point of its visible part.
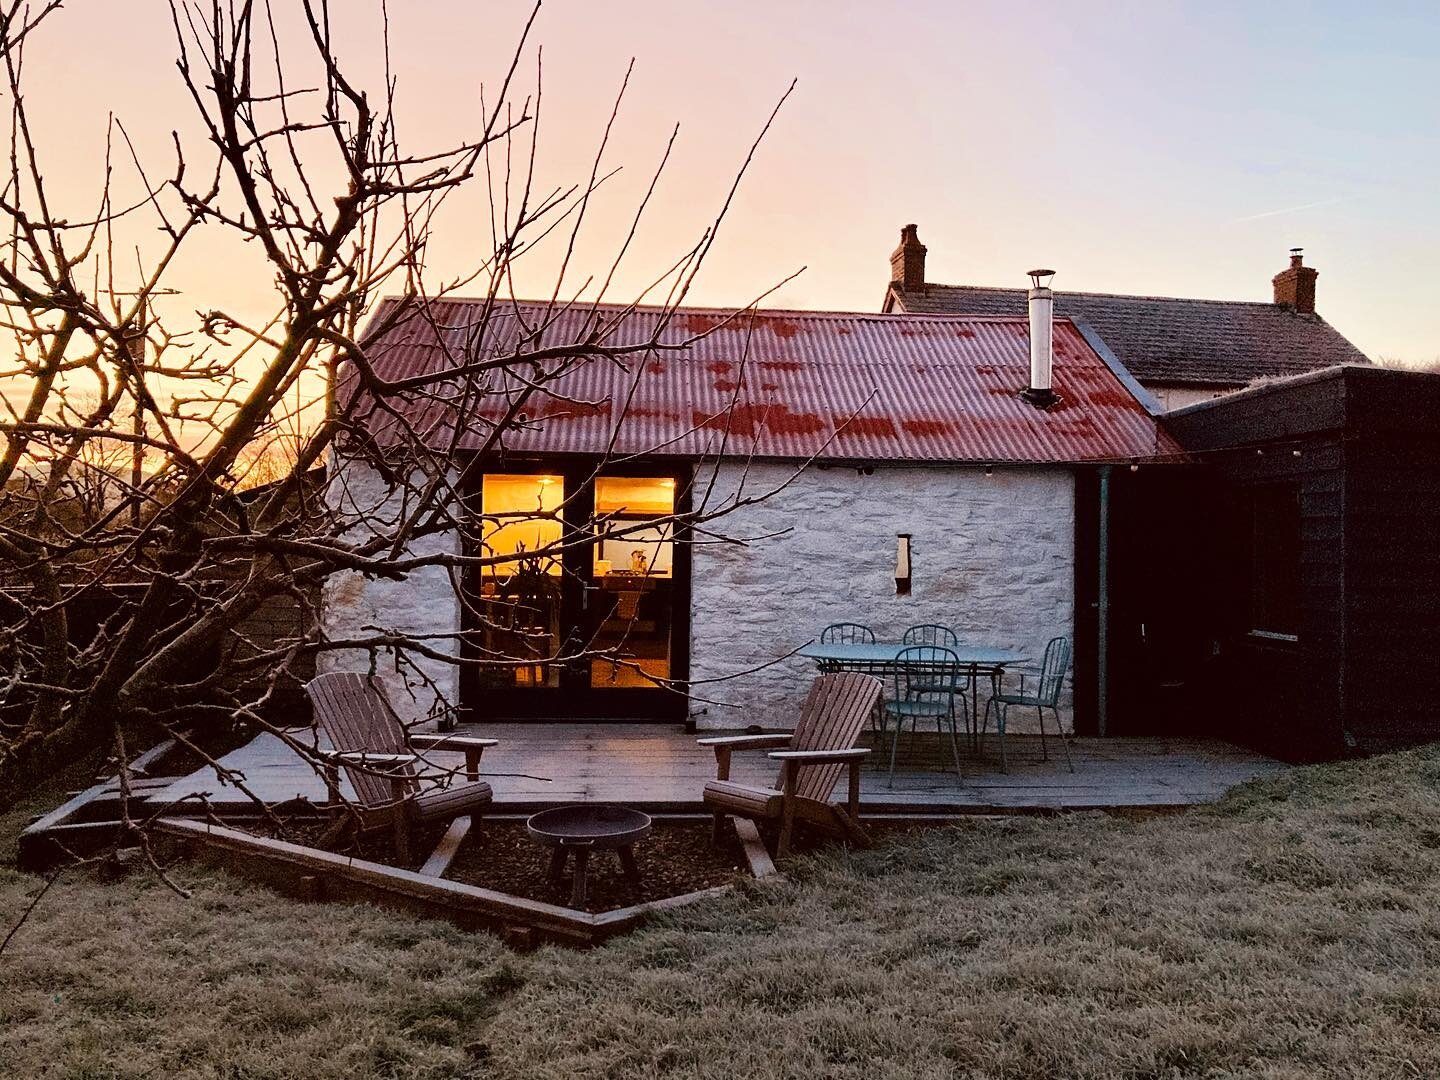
(660, 766)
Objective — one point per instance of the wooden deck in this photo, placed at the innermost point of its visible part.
(659, 768)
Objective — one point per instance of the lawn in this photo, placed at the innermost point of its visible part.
(1291, 931)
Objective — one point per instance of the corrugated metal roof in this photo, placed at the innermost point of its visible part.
(769, 384)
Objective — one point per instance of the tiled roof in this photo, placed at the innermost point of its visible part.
(784, 385)
(1163, 340)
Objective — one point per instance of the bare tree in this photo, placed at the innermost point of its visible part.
(138, 415)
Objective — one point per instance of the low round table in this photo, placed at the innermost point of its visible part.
(582, 829)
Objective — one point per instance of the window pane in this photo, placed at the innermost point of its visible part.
(521, 515)
(633, 568)
(519, 603)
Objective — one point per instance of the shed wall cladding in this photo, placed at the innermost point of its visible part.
(1291, 693)
(421, 603)
(993, 558)
(1363, 672)
(1392, 554)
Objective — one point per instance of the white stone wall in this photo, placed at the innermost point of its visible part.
(993, 558)
(424, 602)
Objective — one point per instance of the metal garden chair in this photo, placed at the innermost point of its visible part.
(930, 634)
(1043, 694)
(922, 691)
(847, 633)
(957, 679)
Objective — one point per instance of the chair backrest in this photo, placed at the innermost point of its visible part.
(933, 667)
(354, 713)
(832, 718)
(847, 633)
(1053, 669)
(930, 634)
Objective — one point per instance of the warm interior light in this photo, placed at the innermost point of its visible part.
(628, 544)
(521, 513)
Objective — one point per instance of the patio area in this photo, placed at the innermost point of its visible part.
(661, 769)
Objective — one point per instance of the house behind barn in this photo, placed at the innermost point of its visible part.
(1182, 350)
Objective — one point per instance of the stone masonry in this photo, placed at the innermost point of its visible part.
(424, 602)
(993, 558)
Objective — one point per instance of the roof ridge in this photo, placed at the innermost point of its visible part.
(702, 310)
(1060, 294)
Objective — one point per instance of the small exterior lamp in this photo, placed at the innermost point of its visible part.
(902, 564)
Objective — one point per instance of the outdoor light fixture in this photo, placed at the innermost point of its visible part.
(989, 470)
(902, 564)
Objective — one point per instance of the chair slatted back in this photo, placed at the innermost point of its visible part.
(1053, 669)
(925, 669)
(832, 718)
(354, 713)
(847, 633)
(930, 634)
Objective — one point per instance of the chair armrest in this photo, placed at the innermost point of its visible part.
(472, 746)
(819, 757)
(723, 745)
(746, 742)
(369, 759)
(444, 741)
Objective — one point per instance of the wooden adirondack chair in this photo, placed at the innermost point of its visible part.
(811, 761)
(378, 755)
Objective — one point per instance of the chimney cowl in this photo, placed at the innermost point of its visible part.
(1041, 391)
(907, 262)
(1295, 285)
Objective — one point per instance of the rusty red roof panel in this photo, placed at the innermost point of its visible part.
(784, 385)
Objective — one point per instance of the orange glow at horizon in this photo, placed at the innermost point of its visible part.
(1159, 153)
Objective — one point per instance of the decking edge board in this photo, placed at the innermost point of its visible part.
(310, 873)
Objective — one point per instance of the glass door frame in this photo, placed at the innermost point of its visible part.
(574, 698)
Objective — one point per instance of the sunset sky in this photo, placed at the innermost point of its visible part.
(1154, 148)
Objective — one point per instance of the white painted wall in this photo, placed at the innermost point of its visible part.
(1177, 397)
(422, 603)
(993, 558)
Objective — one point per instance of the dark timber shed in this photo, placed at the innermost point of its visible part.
(1325, 531)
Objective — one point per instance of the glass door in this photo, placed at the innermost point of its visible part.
(518, 611)
(630, 590)
(583, 611)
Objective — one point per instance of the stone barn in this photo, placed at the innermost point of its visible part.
(831, 436)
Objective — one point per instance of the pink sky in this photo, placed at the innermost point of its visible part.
(1158, 148)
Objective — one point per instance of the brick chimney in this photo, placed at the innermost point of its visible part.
(907, 264)
(1295, 285)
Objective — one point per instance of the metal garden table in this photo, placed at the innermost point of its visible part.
(880, 657)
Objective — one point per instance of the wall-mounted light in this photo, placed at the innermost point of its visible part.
(902, 564)
(989, 470)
